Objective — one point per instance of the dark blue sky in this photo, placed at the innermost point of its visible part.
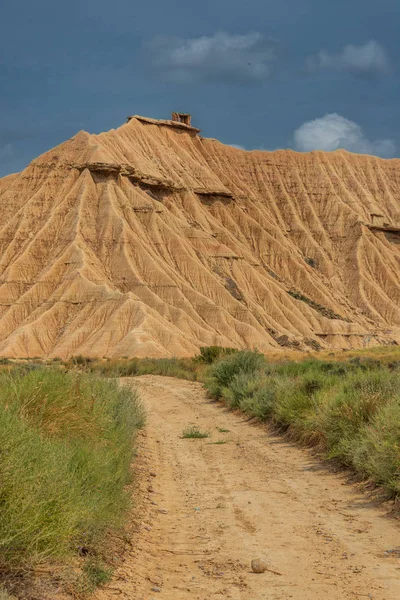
(260, 74)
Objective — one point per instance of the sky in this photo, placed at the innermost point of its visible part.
(259, 74)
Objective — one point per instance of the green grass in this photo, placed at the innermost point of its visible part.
(94, 574)
(194, 432)
(66, 442)
(349, 410)
(220, 375)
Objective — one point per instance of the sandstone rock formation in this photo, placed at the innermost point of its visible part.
(149, 240)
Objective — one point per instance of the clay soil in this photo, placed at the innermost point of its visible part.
(207, 508)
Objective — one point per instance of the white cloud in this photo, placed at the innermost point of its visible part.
(367, 59)
(220, 57)
(332, 132)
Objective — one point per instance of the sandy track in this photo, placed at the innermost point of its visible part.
(254, 496)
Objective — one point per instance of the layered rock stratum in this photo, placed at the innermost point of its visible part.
(150, 240)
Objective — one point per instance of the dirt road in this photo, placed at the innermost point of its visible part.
(209, 508)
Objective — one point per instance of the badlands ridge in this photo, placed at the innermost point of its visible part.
(150, 240)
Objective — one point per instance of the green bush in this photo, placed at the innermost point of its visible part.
(209, 354)
(353, 403)
(221, 373)
(81, 360)
(239, 388)
(66, 443)
(376, 449)
(255, 395)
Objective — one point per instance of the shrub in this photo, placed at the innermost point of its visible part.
(81, 360)
(240, 387)
(209, 354)
(311, 261)
(347, 408)
(261, 399)
(292, 403)
(376, 449)
(220, 375)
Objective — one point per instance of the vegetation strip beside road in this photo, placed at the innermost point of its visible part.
(67, 442)
(349, 411)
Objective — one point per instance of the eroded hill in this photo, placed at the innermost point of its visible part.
(149, 240)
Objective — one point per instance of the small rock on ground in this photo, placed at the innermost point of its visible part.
(258, 565)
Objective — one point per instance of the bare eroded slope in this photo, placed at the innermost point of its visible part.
(149, 240)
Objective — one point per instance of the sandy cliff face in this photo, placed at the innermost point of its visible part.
(151, 241)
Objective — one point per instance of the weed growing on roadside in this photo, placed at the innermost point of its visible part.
(94, 574)
(193, 432)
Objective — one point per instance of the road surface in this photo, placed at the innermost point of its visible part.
(207, 507)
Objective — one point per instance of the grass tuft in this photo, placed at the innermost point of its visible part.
(94, 574)
(193, 432)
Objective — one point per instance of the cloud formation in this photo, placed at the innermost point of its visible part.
(333, 131)
(220, 57)
(367, 59)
